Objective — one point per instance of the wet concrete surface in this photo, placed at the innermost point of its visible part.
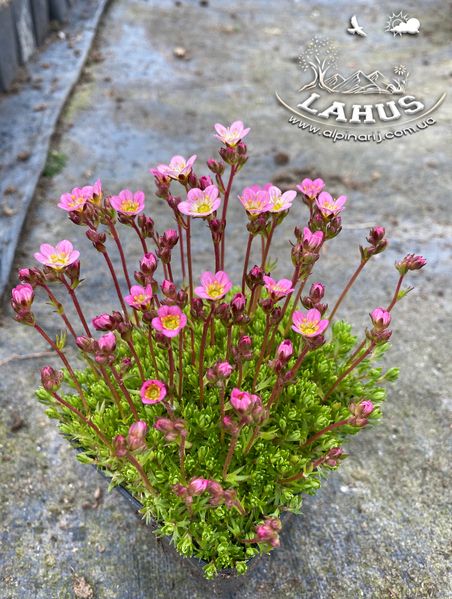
(380, 526)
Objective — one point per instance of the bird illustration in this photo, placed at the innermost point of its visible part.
(356, 28)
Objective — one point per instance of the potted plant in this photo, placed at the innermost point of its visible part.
(215, 404)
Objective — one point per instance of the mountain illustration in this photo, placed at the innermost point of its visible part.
(360, 83)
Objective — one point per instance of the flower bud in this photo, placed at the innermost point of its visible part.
(146, 225)
(169, 289)
(360, 412)
(51, 379)
(333, 456)
(169, 238)
(136, 438)
(215, 166)
(97, 239)
(33, 276)
(317, 292)
(197, 308)
(205, 181)
(22, 297)
(107, 343)
(148, 264)
(410, 262)
(197, 486)
(86, 344)
(120, 446)
(381, 318)
(255, 277)
(230, 425)
(285, 351)
(104, 322)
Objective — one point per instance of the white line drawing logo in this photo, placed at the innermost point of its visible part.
(356, 28)
(400, 23)
(320, 56)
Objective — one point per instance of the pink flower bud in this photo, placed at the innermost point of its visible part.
(215, 166)
(86, 344)
(312, 241)
(120, 446)
(22, 296)
(241, 401)
(103, 322)
(285, 350)
(317, 292)
(410, 262)
(205, 181)
(230, 425)
(224, 369)
(148, 263)
(376, 235)
(197, 486)
(136, 438)
(107, 343)
(381, 318)
(51, 379)
(168, 289)
(238, 303)
(170, 238)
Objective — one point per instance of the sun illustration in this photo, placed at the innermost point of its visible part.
(394, 20)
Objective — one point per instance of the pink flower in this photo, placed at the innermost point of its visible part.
(107, 343)
(74, 201)
(136, 438)
(171, 429)
(224, 369)
(328, 206)
(127, 202)
(200, 202)
(22, 295)
(140, 297)
(178, 167)
(312, 241)
(170, 321)
(58, 257)
(311, 189)
(366, 407)
(381, 318)
(360, 412)
(268, 532)
(255, 201)
(410, 262)
(197, 486)
(152, 391)
(213, 286)
(278, 289)
(241, 401)
(231, 135)
(280, 201)
(309, 324)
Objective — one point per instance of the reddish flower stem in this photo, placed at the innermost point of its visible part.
(396, 293)
(136, 358)
(246, 261)
(268, 242)
(225, 210)
(76, 305)
(181, 244)
(152, 352)
(222, 413)
(352, 366)
(262, 352)
(112, 388)
(347, 288)
(132, 459)
(82, 417)
(181, 364)
(140, 237)
(182, 458)
(115, 236)
(230, 453)
(201, 354)
(124, 389)
(66, 363)
(116, 284)
(60, 310)
(171, 367)
(189, 261)
(325, 430)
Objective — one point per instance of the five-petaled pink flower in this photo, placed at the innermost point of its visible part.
(77, 198)
(152, 391)
(178, 168)
(328, 206)
(280, 201)
(170, 321)
(58, 257)
(255, 201)
(200, 202)
(140, 297)
(310, 188)
(309, 324)
(213, 286)
(231, 135)
(278, 289)
(128, 202)
(241, 401)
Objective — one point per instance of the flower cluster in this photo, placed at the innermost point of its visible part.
(215, 402)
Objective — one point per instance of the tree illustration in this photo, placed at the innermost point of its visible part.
(319, 55)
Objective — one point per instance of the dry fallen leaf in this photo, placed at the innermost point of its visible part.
(82, 589)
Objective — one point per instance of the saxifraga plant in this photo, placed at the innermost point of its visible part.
(216, 406)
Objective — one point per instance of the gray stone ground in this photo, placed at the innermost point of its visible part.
(380, 527)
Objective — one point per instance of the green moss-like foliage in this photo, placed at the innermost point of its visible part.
(216, 534)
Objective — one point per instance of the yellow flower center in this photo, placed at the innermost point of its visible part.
(277, 203)
(308, 327)
(129, 205)
(171, 322)
(139, 298)
(76, 201)
(153, 392)
(58, 259)
(215, 289)
(203, 206)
